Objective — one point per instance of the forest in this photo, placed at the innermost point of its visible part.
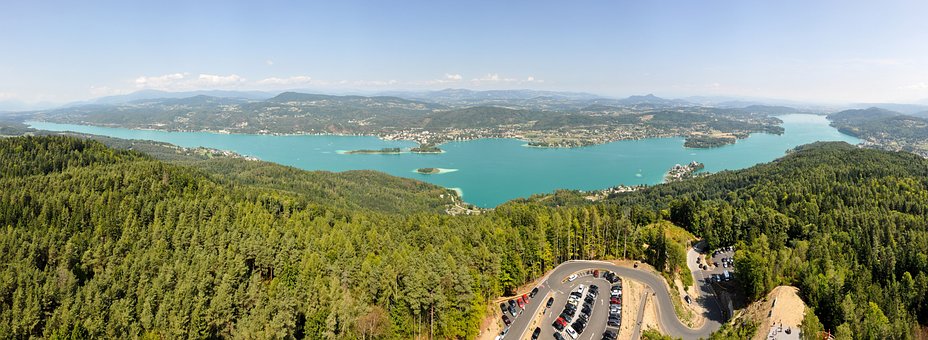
(105, 242)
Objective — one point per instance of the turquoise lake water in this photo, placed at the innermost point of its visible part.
(491, 171)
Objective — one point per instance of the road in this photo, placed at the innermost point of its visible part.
(554, 285)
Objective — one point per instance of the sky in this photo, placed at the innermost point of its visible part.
(815, 51)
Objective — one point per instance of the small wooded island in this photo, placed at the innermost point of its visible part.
(705, 142)
(381, 151)
(428, 171)
(426, 148)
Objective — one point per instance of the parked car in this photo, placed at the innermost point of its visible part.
(609, 335)
(572, 278)
(614, 322)
(550, 302)
(525, 298)
(558, 336)
(503, 308)
(571, 333)
(586, 310)
(687, 299)
(594, 289)
(532, 294)
(520, 303)
(536, 333)
(506, 320)
(559, 324)
(571, 309)
(595, 273)
(578, 325)
(580, 288)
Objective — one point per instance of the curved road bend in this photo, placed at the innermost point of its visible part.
(667, 318)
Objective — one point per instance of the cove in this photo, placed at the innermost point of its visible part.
(489, 172)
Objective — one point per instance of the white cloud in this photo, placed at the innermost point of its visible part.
(185, 82)
(159, 81)
(269, 62)
(495, 78)
(294, 80)
(917, 86)
(374, 82)
(453, 77)
(219, 81)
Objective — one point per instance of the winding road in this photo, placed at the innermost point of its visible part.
(670, 324)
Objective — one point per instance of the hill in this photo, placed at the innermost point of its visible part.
(885, 129)
(101, 242)
(351, 190)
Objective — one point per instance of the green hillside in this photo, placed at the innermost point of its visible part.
(100, 242)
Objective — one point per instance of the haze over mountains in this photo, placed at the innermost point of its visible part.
(525, 98)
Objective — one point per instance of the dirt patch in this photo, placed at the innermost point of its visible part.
(491, 325)
(650, 320)
(631, 294)
(782, 306)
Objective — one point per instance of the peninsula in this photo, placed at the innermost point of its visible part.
(680, 172)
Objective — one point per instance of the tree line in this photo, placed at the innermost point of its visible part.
(100, 242)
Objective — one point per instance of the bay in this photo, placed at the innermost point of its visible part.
(488, 172)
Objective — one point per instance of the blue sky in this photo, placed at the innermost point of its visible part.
(820, 51)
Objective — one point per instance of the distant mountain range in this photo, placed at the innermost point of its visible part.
(911, 109)
(156, 94)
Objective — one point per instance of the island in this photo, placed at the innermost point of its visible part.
(680, 172)
(708, 141)
(428, 171)
(370, 152)
(426, 148)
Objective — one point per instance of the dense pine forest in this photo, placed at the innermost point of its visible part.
(103, 242)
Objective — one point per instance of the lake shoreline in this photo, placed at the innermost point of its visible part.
(496, 170)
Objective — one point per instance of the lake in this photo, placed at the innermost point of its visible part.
(491, 171)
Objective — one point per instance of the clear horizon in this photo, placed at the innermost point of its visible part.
(822, 52)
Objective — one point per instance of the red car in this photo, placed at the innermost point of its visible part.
(521, 303)
(525, 298)
(596, 273)
(559, 324)
(616, 301)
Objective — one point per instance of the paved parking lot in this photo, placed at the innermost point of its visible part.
(554, 285)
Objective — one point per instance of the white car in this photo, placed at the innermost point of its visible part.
(572, 278)
(580, 289)
(571, 332)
